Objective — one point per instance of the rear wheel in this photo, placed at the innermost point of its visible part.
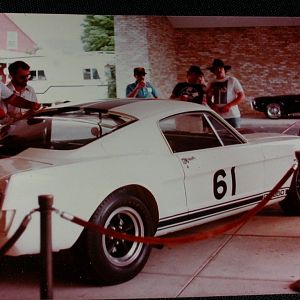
(114, 260)
(274, 111)
(291, 204)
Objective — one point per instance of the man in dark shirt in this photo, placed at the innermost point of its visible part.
(191, 90)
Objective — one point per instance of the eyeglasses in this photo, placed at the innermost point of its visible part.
(24, 76)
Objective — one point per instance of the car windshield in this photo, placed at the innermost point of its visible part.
(59, 131)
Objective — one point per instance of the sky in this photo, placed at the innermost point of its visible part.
(52, 31)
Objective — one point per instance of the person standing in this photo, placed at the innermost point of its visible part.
(193, 89)
(19, 72)
(140, 88)
(8, 97)
(224, 93)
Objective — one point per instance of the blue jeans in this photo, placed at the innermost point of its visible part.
(234, 122)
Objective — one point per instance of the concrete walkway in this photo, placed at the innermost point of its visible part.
(259, 258)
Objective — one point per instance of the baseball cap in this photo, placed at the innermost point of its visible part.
(195, 69)
(139, 71)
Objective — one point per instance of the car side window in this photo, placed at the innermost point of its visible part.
(189, 131)
(226, 136)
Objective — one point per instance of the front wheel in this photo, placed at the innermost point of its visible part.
(113, 260)
(274, 111)
(291, 204)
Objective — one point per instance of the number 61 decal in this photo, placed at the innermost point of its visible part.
(220, 186)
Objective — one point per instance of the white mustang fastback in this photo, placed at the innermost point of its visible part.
(142, 167)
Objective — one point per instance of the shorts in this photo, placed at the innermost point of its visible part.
(234, 122)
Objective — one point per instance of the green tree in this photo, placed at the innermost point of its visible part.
(98, 33)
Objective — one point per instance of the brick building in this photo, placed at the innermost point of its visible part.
(263, 55)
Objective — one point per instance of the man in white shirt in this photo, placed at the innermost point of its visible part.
(224, 93)
(19, 72)
(8, 97)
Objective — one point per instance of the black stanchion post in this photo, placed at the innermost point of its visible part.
(295, 286)
(46, 281)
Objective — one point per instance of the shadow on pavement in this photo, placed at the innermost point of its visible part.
(26, 268)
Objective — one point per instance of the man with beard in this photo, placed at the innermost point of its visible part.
(224, 93)
(19, 72)
(191, 90)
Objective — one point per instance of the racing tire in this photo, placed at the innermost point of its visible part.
(291, 204)
(113, 260)
(274, 111)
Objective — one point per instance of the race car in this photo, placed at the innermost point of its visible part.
(142, 167)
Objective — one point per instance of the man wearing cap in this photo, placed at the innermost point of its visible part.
(191, 90)
(224, 93)
(140, 88)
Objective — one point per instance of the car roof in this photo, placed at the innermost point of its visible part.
(137, 108)
(143, 108)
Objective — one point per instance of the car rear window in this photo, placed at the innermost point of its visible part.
(62, 131)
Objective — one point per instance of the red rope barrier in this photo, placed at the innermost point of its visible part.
(188, 238)
(9, 243)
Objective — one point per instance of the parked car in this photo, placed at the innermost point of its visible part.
(143, 167)
(275, 107)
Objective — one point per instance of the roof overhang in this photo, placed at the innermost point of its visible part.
(231, 21)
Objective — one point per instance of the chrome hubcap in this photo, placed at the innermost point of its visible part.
(120, 252)
(274, 110)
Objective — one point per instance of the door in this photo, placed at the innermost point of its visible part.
(222, 172)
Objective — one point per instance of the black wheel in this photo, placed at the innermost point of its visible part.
(113, 260)
(274, 111)
(291, 204)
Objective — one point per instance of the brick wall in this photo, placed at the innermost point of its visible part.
(264, 59)
(148, 42)
(131, 49)
(162, 55)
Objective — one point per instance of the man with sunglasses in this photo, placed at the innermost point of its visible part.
(19, 72)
